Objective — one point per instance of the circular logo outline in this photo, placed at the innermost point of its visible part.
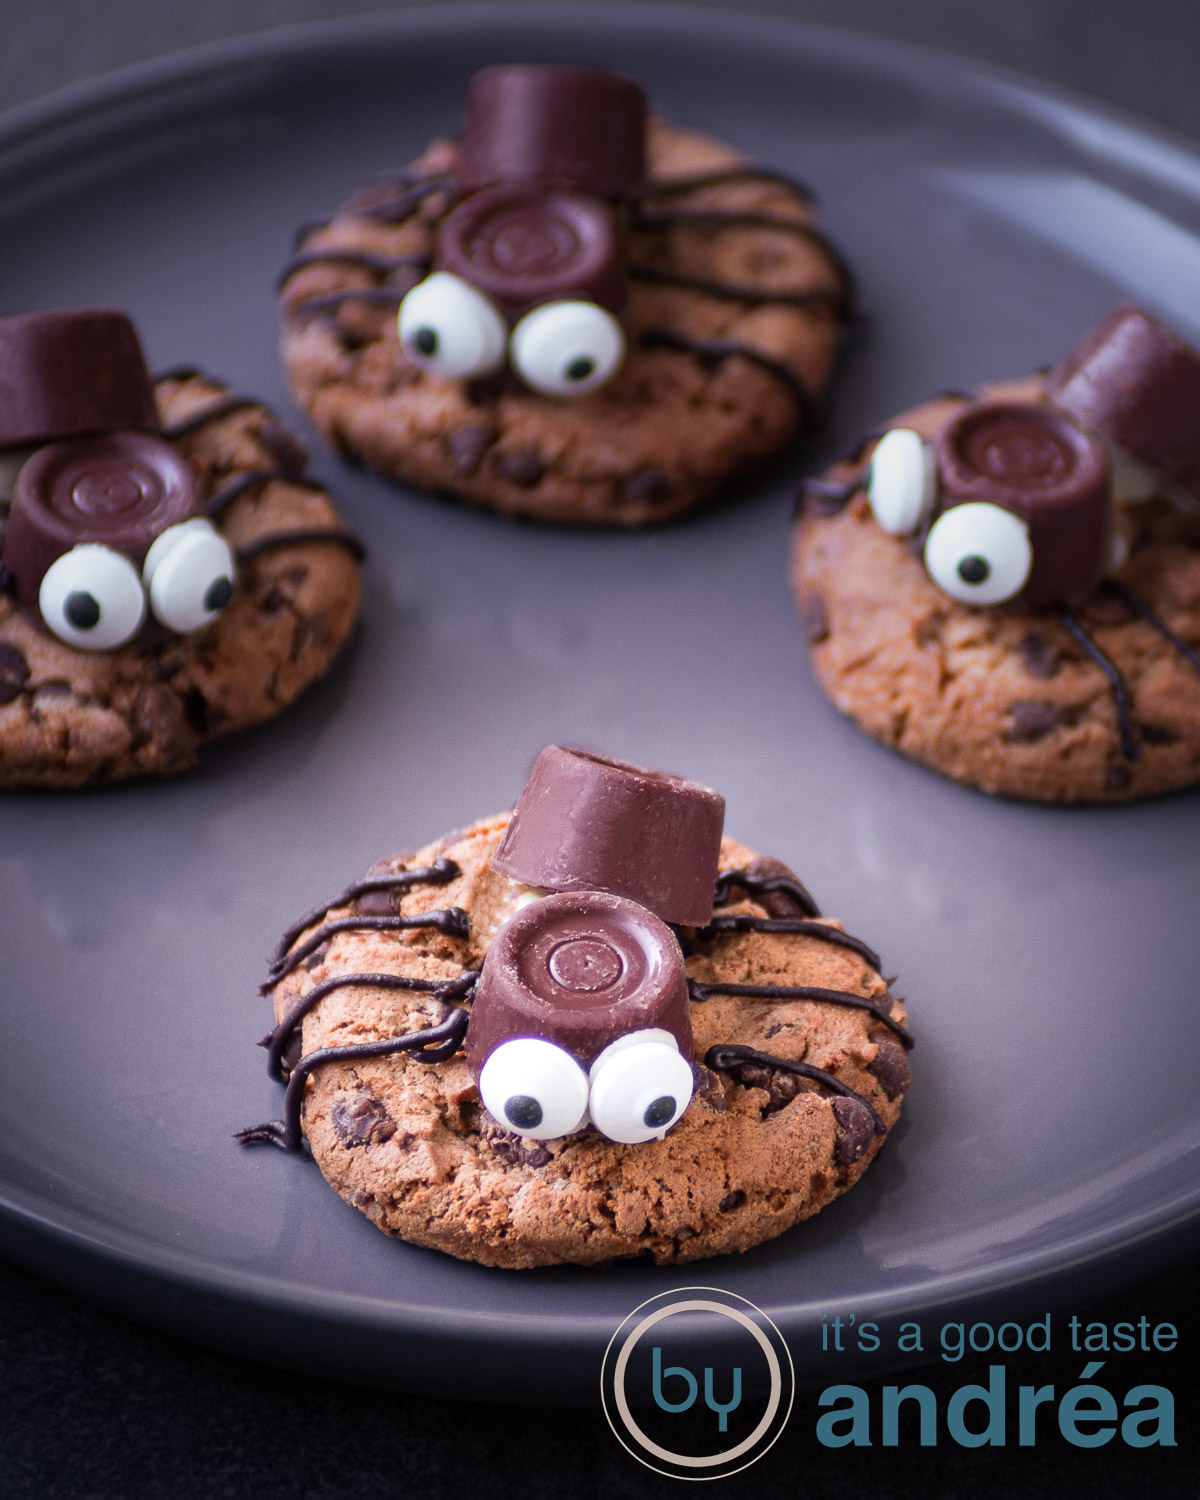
(688, 1461)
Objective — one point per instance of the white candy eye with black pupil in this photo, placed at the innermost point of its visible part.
(451, 329)
(902, 482)
(534, 1088)
(640, 1086)
(979, 553)
(567, 348)
(188, 573)
(92, 597)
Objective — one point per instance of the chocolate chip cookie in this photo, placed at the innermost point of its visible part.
(1005, 584)
(526, 1074)
(571, 314)
(168, 571)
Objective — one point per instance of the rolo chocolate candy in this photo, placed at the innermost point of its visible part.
(523, 244)
(1138, 385)
(587, 822)
(569, 127)
(581, 970)
(1044, 468)
(120, 491)
(70, 372)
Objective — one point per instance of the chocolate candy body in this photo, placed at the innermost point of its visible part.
(568, 127)
(586, 822)
(580, 970)
(522, 244)
(120, 491)
(1138, 385)
(71, 372)
(1049, 471)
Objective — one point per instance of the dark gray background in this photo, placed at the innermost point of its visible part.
(91, 1406)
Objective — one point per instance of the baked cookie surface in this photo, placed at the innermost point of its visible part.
(1006, 699)
(409, 1143)
(71, 717)
(733, 308)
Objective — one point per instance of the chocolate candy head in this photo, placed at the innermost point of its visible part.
(585, 822)
(522, 244)
(1138, 385)
(568, 127)
(70, 372)
(98, 524)
(1025, 507)
(582, 1008)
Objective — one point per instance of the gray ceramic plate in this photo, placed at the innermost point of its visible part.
(1051, 1145)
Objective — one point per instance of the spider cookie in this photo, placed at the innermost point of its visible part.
(1006, 585)
(168, 573)
(589, 1029)
(571, 313)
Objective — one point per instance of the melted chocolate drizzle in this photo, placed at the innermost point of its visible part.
(238, 486)
(365, 260)
(1130, 748)
(273, 540)
(431, 1044)
(701, 991)
(717, 219)
(451, 921)
(411, 192)
(714, 351)
(747, 922)
(764, 885)
(374, 296)
(178, 372)
(825, 497)
(1140, 607)
(728, 1057)
(694, 181)
(441, 872)
(276, 1040)
(832, 297)
(225, 407)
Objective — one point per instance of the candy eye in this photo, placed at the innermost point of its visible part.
(188, 574)
(979, 553)
(535, 1088)
(92, 597)
(903, 481)
(640, 1085)
(566, 348)
(450, 329)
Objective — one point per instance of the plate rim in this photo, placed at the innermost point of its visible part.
(28, 1221)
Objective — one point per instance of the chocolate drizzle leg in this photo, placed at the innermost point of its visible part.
(451, 921)
(825, 497)
(377, 296)
(276, 1041)
(225, 407)
(1130, 748)
(764, 885)
(701, 990)
(728, 1057)
(1140, 607)
(441, 872)
(717, 219)
(363, 260)
(247, 480)
(431, 1044)
(694, 181)
(828, 297)
(747, 922)
(712, 352)
(273, 540)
